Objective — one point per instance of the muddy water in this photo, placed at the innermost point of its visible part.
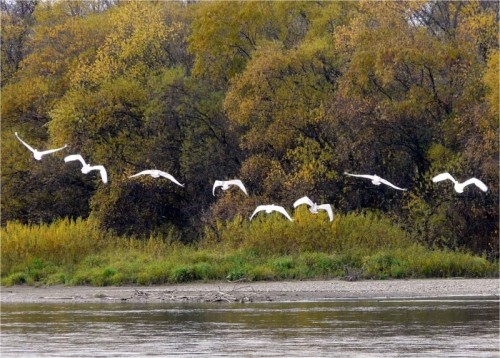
(409, 328)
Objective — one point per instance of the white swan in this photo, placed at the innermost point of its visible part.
(226, 184)
(86, 168)
(459, 187)
(376, 180)
(270, 208)
(38, 154)
(313, 207)
(155, 173)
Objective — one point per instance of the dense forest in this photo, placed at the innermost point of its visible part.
(285, 96)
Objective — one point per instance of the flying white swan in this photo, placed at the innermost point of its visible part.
(155, 173)
(228, 183)
(270, 208)
(37, 154)
(86, 168)
(459, 187)
(313, 207)
(376, 180)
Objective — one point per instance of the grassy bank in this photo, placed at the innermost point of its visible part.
(268, 248)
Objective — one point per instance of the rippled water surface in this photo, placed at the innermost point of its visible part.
(432, 328)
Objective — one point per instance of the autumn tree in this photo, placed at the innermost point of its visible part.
(287, 96)
(421, 66)
(17, 19)
(59, 39)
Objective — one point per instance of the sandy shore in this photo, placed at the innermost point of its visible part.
(257, 291)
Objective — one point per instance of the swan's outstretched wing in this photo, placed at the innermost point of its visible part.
(170, 177)
(361, 175)
(328, 209)
(238, 183)
(443, 176)
(386, 182)
(303, 200)
(102, 170)
(259, 208)
(283, 211)
(49, 151)
(144, 172)
(73, 157)
(25, 144)
(477, 182)
(217, 183)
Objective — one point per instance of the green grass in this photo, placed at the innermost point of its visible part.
(270, 248)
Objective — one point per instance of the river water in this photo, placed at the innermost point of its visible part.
(350, 328)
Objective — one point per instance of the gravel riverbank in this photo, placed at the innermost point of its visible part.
(257, 291)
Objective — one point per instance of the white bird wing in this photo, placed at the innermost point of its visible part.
(283, 211)
(443, 176)
(259, 208)
(170, 177)
(360, 175)
(52, 150)
(217, 183)
(478, 183)
(328, 209)
(238, 183)
(144, 172)
(25, 144)
(73, 157)
(303, 200)
(104, 174)
(386, 182)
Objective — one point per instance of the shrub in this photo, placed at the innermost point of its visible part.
(65, 242)
(153, 273)
(183, 274)
(386, 265)
(354, 245)
(17, 278)
(319, 264)
(274, 235)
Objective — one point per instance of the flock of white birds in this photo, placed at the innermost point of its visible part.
(226, 184)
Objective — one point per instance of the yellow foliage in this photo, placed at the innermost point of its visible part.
(64, 242)
(134, 45)
(492, 80)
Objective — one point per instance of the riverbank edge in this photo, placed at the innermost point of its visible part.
(259, 291)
